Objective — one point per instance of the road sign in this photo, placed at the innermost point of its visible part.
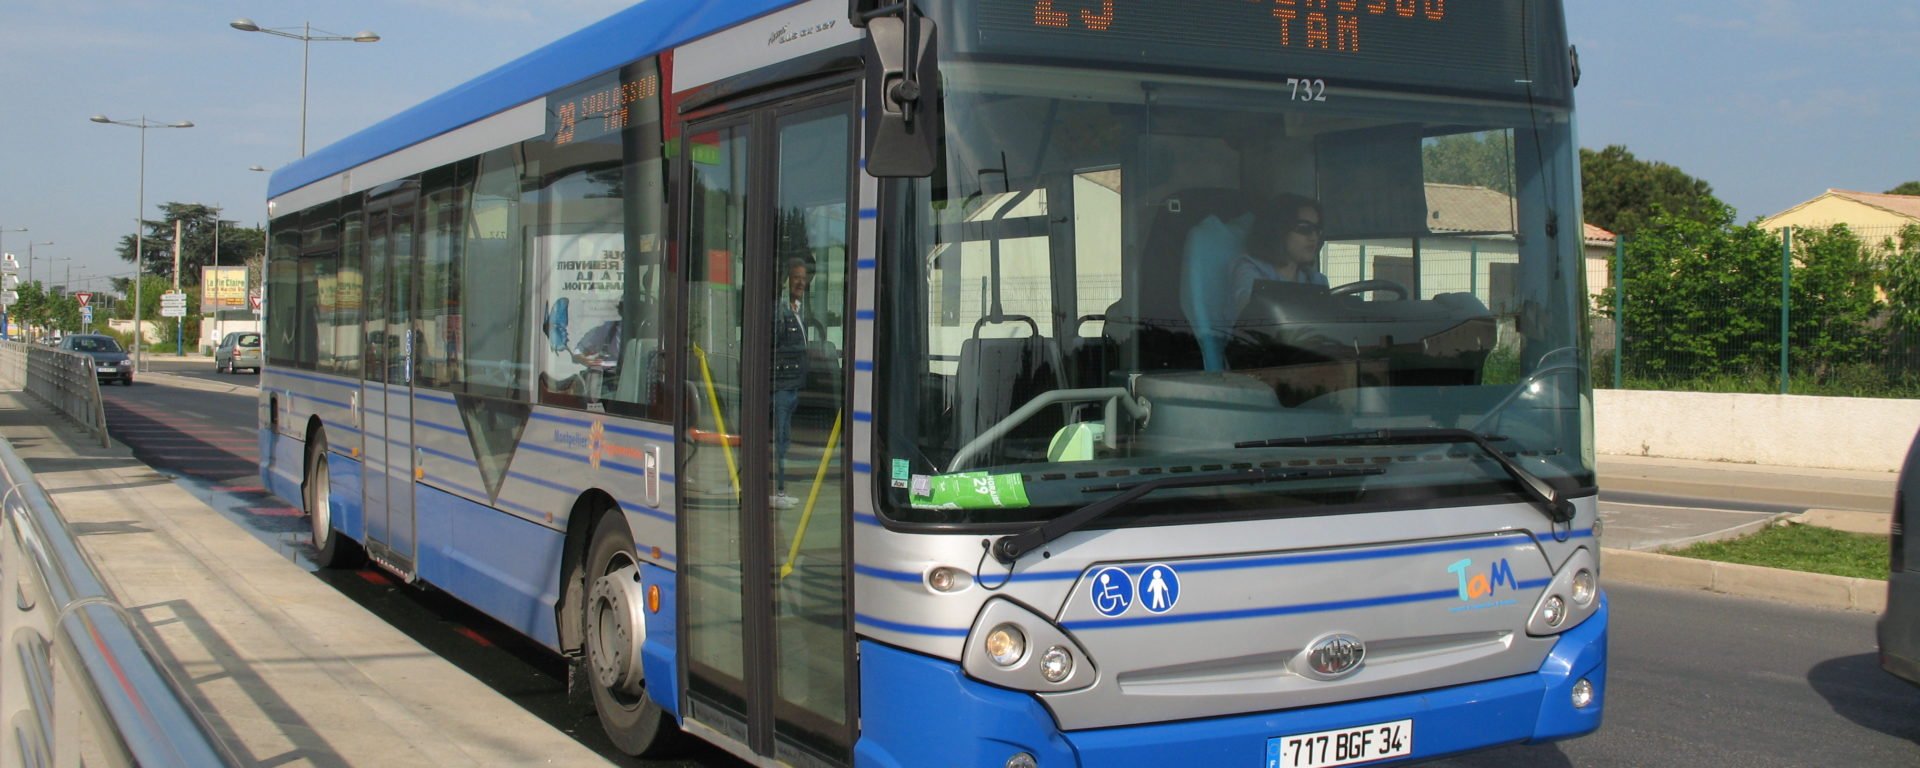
(9, 281)
(83, 297)
(86, 314)
(7, 298)
(173, 304)
(9, 264)
(253, 300)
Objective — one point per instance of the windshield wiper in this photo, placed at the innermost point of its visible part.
(1542, 494)
(1010, 548)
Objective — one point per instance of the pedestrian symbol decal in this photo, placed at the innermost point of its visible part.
(1159, 588)
(1112, 592)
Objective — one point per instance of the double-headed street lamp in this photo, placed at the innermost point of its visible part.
(140, 223)
(307, 38)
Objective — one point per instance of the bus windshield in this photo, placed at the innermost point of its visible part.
(1124, 272)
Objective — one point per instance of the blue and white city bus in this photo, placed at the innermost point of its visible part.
(978, 382)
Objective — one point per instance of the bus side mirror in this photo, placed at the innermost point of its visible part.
(902, 98)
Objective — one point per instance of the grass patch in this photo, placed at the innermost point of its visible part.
(1802, 548)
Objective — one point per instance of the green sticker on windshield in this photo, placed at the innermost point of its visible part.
(971, 490)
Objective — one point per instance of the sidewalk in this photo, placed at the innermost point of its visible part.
(288, 670)
(1648, 505)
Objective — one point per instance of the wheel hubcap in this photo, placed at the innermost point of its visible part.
(616, 628)
(321, 516)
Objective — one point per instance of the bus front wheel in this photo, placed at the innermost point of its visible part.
(614, 625)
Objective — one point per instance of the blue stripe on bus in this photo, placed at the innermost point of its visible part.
(435, 398)
(1281, 610)
(334, 403)
(637, 432)
(582, 423)
(866, 518)
(862, 468)
(869, 213)
(651, 512)
(908, 629)
(863, 365)
(865, 264)
(349, 384)
(343, 428)
(448, 456)
(882, 573)
(439, 426)
(863, 417)
(627, 468)
(526, 446)
(544, 483)
(1316, 558)
(863, 314)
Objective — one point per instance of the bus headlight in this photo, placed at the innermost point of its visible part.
(1585, 587)
(1056, 664)
(1006, 645)
(1013, 646)
(1570, 597)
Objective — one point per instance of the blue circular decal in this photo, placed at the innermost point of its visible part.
(1112, 591)
(1159, 588)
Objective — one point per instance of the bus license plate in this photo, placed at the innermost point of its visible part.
(1346, 746)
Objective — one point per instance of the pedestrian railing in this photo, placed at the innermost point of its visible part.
(79, 685)
(65, 380)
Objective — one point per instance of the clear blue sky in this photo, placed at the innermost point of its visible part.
(1770, 101)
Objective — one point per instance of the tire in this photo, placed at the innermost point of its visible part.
(635, 723)
(331, 550)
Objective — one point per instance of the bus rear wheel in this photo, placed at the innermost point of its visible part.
(614, 624)
(330, 549)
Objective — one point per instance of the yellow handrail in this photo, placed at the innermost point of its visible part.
(719, 421)
(806, 516)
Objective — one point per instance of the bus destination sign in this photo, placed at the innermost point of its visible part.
(1476, 45)
(601, 107)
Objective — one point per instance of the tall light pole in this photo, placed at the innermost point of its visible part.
(307, 38)
(139, 222)
(30, 257)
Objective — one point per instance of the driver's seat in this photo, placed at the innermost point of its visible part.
(1152, 328)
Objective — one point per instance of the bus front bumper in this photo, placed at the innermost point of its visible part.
(919, 710)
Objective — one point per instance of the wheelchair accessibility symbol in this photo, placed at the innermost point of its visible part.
(1112, 591)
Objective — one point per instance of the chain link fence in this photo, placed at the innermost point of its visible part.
(1813, 311)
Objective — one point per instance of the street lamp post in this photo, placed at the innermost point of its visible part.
(30, 257)
(307, 38)
(139, 223)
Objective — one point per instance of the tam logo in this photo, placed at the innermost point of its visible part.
(1474, 586)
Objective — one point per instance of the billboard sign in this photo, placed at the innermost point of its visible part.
(223, 288)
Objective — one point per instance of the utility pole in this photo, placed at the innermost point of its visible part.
(180, 323)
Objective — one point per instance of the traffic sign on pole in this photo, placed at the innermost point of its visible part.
(173, 304)
(83, 297)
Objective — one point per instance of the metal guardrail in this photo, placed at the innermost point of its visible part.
(79, 685)
(63, 379)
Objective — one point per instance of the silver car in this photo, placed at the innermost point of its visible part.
(240, 349)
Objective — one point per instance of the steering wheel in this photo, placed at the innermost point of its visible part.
(1368, 286)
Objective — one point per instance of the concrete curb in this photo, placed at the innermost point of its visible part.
(1811, 589)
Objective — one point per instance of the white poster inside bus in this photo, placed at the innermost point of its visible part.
(580, 280)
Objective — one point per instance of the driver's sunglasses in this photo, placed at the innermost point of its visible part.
(1309, 228)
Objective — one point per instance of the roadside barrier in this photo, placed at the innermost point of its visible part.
(79, 685)
(65, 380)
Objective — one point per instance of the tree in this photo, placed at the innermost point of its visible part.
(1909, 188)
(1624, 193)
(1471, 159)
(1702, 298)
(1833, 300)
(237, 244)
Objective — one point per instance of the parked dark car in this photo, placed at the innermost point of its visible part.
(110, 362)
(1900, 624)
(240, 349)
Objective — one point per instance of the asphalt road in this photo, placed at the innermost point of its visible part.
(1695, 679)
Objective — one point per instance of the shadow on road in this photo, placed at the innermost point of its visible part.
(1863, 693)
(1536, 756)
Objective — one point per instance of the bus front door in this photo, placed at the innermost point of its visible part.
(387, 377)
(765, 608)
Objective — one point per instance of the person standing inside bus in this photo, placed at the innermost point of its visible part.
(789, 369)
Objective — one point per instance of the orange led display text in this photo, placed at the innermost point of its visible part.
(1329, 25)
(608, 106)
